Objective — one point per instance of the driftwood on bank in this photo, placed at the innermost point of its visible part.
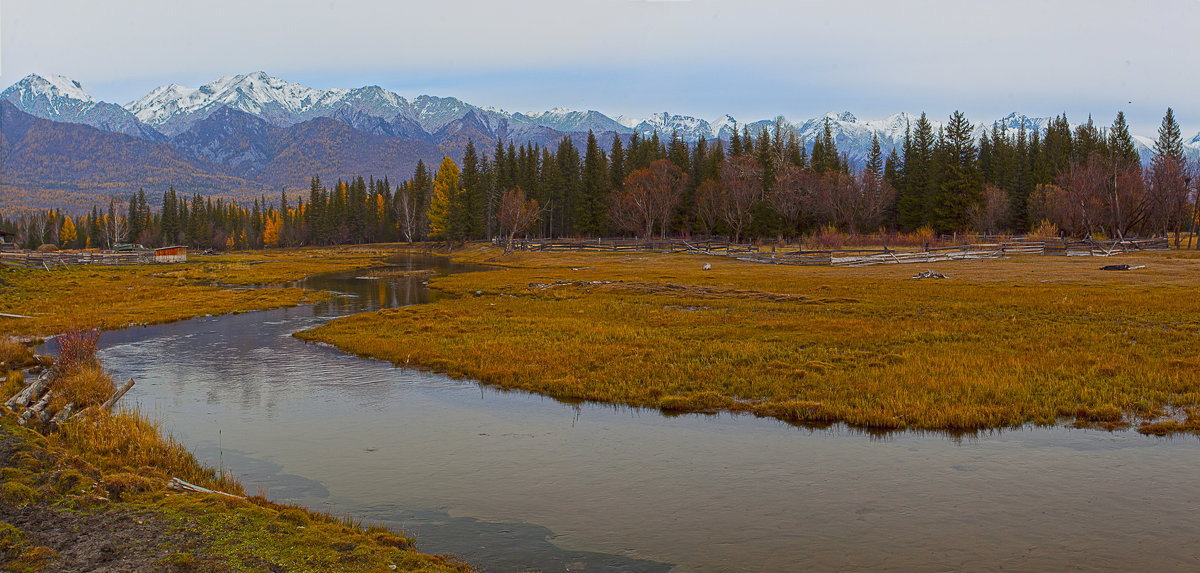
(108, 404)
(31, 392)
(34, 410)
(180, 485)
(62, 415)
(35, 400)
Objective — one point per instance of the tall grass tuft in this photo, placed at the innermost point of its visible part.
(14, 354)
(84, 385)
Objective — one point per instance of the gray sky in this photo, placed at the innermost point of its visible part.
(753, 59)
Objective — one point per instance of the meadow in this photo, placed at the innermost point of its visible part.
(1001, 343)
(109, 297)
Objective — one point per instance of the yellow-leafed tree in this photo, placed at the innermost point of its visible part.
(271, 230)
(67, 235)
(445, 197)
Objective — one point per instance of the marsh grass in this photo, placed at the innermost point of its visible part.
(1003, 343)
(120, 296)
(14, 354)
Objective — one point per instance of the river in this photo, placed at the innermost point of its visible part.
(510, 481)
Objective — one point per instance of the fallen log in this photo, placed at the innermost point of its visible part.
(108, 404)
(30, 392)
(62, 415)
(34, 410)
(177, 484)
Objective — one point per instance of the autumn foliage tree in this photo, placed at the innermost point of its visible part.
(516, 215)
(740, 187)
(442, 210)
(649, 197)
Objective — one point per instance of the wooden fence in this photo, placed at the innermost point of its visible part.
(34, 259)
(847, 257)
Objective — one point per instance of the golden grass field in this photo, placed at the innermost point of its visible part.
(120, 296)
(1034, 339)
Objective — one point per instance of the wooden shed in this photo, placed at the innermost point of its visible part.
(6, 241)
(172, 254)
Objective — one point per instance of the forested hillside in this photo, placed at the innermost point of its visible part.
(1085, 181)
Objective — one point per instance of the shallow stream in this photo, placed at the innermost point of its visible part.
(510, 481)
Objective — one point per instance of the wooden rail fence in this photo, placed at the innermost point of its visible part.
(50, 260)
(847, 257)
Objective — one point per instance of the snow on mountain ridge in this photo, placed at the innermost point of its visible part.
(59, 98)
(172, 109)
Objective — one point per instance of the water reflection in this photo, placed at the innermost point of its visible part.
(511, 481)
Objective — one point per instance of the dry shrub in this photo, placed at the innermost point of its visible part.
(1045, 230)
(85, 385)
(76, 347)
(829, 237)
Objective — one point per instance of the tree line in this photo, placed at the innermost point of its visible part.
(1086, 181)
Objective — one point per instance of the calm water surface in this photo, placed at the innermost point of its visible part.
(512, 481)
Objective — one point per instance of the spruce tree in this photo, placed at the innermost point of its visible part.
(960, 186)
(913, 196)
(616, 164)
(1120, 143)
(874, 166)
(593, 205)
(470, 211)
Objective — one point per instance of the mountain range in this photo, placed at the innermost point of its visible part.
(249, 134)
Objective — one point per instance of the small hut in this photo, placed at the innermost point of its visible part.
(6, 241)
(172, 254)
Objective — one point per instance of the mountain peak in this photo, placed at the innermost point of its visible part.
(51, 86)
(845, 116)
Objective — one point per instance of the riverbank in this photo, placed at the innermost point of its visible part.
(1000, 343)
(93, 494)
(67, 507)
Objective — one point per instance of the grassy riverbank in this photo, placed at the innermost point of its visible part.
(120, 296)
(93, 495)
(1040, 340)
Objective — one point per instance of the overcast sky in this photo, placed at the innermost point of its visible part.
(751, 59)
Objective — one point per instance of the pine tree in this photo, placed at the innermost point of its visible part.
(961, 185)
(593, 206)
(1120, 143)
(1169, 197)
(735, 143)
(421, 190)
(470, 216)
(169, 218)
(616, 164)
(874, 166)
(913, 195)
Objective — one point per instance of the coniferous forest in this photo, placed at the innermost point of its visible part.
(1085, 181)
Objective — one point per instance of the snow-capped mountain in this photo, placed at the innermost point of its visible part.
(174, 108)
(59, 98)
(563, 119)
(689, 128)
(170, 112)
